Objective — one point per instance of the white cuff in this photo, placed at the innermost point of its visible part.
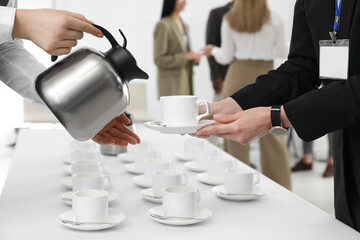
(7, 18)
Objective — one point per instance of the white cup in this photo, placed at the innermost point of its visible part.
(82, 146)
(190, 144)
(180, 201)
(144, 144)
(152, 165)
(89, 180)
(140, 155)
(167, 178)
(92, 155)
(90, 205)
(182, 110)
(238, 181)
(203, 153)
(216, 167)
(86, 166)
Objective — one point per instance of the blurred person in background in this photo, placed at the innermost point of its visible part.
(252, 36)
(56, 32)
(213, 37)
(172, 52)
(306, 161)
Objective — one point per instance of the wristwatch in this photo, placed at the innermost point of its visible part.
(276, 126)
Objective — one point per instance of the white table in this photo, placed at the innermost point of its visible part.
(30, 204)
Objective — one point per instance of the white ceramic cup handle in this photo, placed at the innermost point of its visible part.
(184, 179)
(257, 177)
(197, 195)
(108, 179)
(207, 105)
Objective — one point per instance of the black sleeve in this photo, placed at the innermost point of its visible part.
(213, 36)
(312, 113)
(298, 75)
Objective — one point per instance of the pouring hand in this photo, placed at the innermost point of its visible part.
(55, 31)
(116, 133)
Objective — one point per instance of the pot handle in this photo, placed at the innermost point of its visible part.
(109, 37)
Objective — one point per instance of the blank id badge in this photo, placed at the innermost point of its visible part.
(334, 59)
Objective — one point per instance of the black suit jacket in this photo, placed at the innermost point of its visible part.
(213, 36)
(315, 112)
(312, 113)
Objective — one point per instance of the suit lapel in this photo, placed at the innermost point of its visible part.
(177, 33)
(346, 18)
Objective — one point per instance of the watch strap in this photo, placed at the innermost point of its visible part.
(275, 116)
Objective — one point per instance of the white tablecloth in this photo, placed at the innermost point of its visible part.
(30, 204)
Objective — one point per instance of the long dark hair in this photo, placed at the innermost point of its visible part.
(168, 8)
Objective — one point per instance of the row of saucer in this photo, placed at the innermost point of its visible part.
(219, 188)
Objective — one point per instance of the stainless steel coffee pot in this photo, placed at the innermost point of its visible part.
(88, 88)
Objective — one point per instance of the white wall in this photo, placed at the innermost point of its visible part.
(137, 20)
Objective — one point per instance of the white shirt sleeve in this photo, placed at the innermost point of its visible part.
(280, 49)
(225, 54)
(19, 69)
(7, 17)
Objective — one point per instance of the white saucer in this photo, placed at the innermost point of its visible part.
(131, 168)
(67, 197)
(156, 125)
(221, 192)
(201, 214)
(125, 157)
(115, 218)
(68, 182)
(204, 178)
(140, 181)
(68, 169)
(66, 158)
(181, 157)
(194, 166)
(148, 194)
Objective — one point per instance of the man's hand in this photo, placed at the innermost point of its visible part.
(117, 133)
(54, 31)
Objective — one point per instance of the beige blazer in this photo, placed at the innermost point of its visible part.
(175, 74)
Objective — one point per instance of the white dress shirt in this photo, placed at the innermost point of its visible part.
(267, 44)
(18, 68)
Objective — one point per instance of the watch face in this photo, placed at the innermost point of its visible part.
(278, 131)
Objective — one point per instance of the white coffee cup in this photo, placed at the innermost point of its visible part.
(182, 110)
(89, 180)
(86, 166)
(82, 146)
(93, 155)
(152, 165)
(144, 144)
(190, 144)
(216, 167)
(180, 201)
(140, 155)
(90, 205)
(167, 178)
(203, 153)
(238, 181)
